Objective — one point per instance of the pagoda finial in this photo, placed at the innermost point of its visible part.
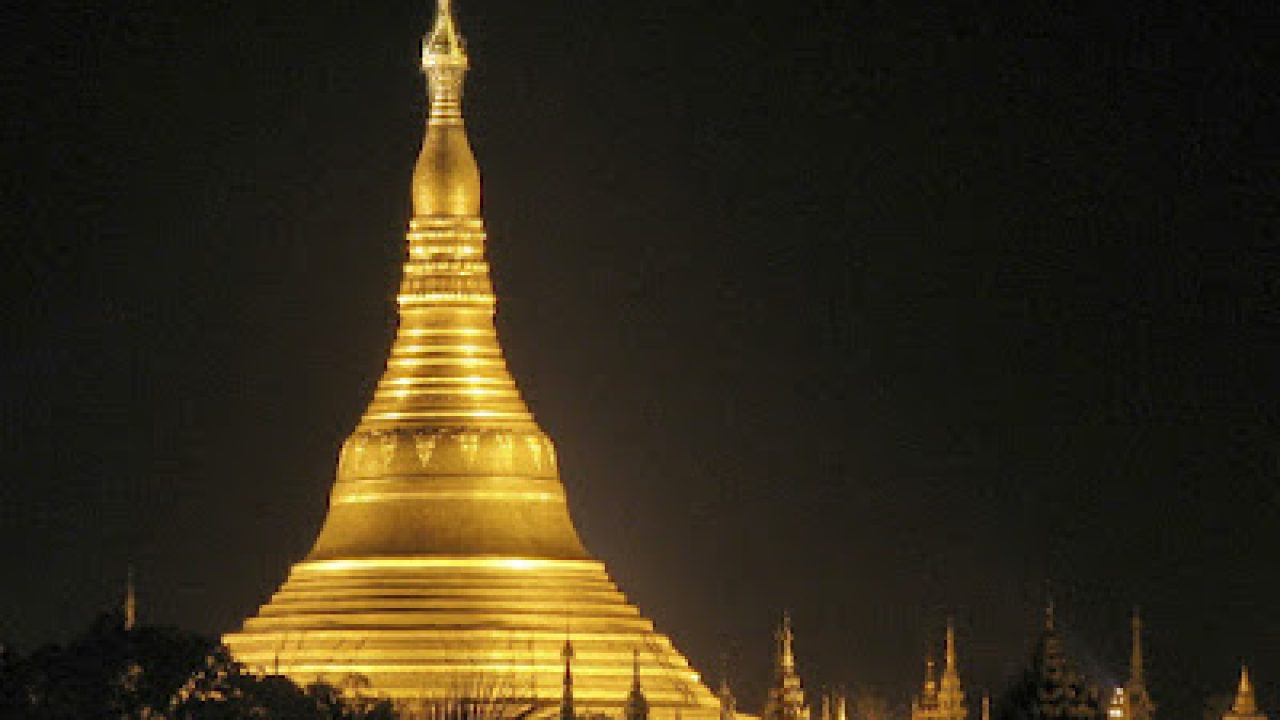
(444, 44)
(130, 603)
(446, 180)
(1048, 615)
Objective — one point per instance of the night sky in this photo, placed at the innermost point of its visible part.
(878, 312)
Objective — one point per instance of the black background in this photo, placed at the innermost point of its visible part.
(879, 312)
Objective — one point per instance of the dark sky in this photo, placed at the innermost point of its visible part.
(875, 311)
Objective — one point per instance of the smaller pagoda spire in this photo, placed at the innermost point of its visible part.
(951, 670)
(786, 639)
(637, 707)
(1245, 706)
(566, 697)
(785, 700)
(834, 705)
(1137, 699)
(941, 699)
(130, 603)
(1135, 651)
(1246, 703)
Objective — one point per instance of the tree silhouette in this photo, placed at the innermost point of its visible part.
(157, 673)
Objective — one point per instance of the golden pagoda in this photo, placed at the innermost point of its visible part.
(785, 698)
(448, 559)
(944, 699)
(1245, 705)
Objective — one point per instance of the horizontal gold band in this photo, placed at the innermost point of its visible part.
(408, 563)
(492, 495)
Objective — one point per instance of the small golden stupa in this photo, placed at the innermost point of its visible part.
(448, 560)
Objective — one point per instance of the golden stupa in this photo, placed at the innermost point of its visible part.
(448, 559)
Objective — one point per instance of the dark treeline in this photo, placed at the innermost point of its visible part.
(160, 673)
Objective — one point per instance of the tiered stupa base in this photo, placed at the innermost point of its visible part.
(418, 630)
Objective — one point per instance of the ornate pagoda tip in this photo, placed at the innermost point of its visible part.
(444, 44)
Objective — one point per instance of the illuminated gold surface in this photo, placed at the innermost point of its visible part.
(1245, 705)
(448, 558)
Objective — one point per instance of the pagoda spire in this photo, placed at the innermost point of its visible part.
(447, 458)
(1135, 649)
(637, 707)
(566, 694)
(834, 704)
(635, 669)
(1245, 706)
(130, 603)
(785, 700)
(941, 699)
(446, 180)
(786, 639)
(950, 669)
(1137, 698)
(1246, 702)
